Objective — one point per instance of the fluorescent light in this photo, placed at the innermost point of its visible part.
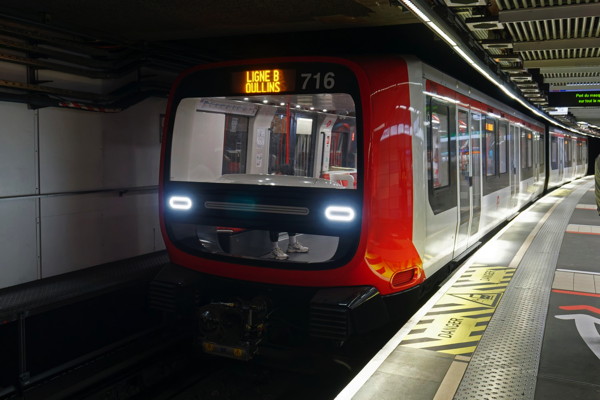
(443, 34)
(180, 203)
(415, 10)
(339, 213)
(462, 52)
(508, 92)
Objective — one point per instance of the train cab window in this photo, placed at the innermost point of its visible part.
(238, 140)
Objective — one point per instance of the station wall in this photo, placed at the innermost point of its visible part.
(77, 188)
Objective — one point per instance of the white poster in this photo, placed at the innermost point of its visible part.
(261, 133)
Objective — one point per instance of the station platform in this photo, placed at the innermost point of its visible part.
(53, 325)
(519, 319)
(46, 294)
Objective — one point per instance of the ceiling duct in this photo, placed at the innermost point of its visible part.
(491, 44)
(465, 3)
(483, 23)
(507, 58)
(513, 70)
(521, 78)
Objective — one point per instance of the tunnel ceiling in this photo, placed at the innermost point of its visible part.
(539, 46)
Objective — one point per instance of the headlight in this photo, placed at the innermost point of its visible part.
(340, 213)
(180, 203)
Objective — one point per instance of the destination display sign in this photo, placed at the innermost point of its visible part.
(258, 81)
(574, 99)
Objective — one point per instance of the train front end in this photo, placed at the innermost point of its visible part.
(263, 204)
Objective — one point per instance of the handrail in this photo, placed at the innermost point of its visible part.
(121, 191)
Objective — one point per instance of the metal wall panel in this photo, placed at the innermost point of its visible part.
(70, 150)
(18, 169)
(18, 237)
(71, 229)
(131, 145)
(78, 151)
(80, 231)
(130, 225)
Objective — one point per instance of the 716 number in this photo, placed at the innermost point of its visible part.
(318, 80)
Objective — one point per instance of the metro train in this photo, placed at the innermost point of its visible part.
(395, 169)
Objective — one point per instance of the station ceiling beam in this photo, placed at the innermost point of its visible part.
(548, 13)
(570, 64)
(572, 80)
(558, 44)
(569, 70)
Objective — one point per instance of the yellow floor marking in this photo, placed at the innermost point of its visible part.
(490, 275)
(463, 312)
(484, 299)
(457, 350)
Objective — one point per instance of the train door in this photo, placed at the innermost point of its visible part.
(464, 181)
(303, 148)
(513, 148)
(235, 145)
(290, 142)
(561, 158)
(514, 168)
(475, 133)
(536, 157)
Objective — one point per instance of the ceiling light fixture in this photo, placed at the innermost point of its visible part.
(423, 13)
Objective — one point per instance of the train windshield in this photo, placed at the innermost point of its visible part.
(302, 140)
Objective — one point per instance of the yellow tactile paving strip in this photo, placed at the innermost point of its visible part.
(457, 321)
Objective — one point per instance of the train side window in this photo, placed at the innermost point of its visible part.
(502, 148)
(439, 145)
(489, 145)
(529, 150)
(542, 154)
(523, 149)
(441, 154)
(495, 155)
(568, 160)
(554, 152)
(526, 154)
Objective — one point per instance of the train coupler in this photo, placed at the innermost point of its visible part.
(234, 328)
